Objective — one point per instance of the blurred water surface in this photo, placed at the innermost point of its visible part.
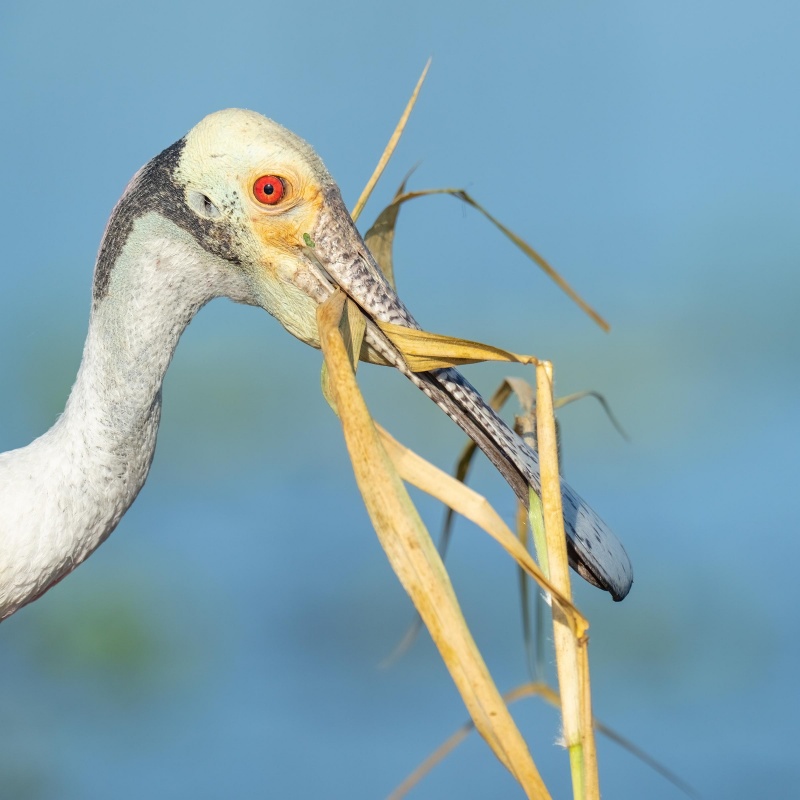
(225, 641)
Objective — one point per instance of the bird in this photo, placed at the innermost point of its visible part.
(242, 208)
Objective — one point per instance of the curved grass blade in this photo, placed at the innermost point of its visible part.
(525, 427)
(352, 327)
(380, 237)
(390, 147)
(424, 351)
(549, 695)
(549, 270)
(571, 398)
(419, 472)
(455, 739)
(460, 473)
(414, 558)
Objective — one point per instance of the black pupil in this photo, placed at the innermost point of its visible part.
(269, 188)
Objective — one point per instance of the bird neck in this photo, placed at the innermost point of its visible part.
(84, 473)
(157, 284)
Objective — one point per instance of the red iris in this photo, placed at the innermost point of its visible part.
(269, 189)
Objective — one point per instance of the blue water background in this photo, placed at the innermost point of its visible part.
(226, 641)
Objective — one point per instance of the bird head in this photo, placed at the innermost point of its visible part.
(244, 208)
(261, 206)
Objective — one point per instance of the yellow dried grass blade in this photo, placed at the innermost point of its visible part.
(390, 147)
(352, 326)
(552, 273)
(525, 427)
(423, 351)
(571, 658)
(461, 471)
(571, 398)
(380, 237)
(419, 472)
(415, 560)
(549, 695)
(450, 744)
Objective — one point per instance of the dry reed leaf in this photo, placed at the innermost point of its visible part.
(352, 326)
(571, 398)
(525, 427)
(380, 237)
(549, 695)
(419, 472)
(394, 516)
(423, 351)
(414, 558)
(572, 664)
(390, 147)
(450, 744)
(463, 464)
(383, 229)
(552, 273)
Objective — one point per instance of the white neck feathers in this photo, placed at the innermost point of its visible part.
(63, 494)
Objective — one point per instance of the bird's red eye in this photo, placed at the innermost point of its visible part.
(269, 189)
